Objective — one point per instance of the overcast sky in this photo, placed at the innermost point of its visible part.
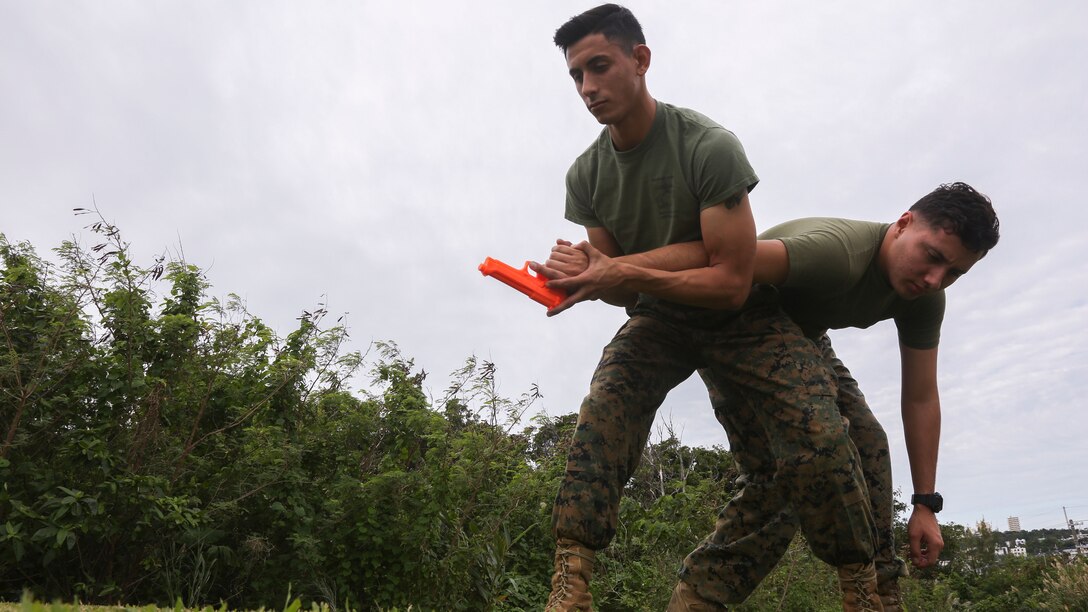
(371, 154)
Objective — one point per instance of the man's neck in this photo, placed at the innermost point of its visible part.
(634, 128)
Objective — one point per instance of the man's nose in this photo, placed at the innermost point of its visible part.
(589, 87)
(934, 278)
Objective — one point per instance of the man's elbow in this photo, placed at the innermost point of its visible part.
(733, 296)
(730, 284)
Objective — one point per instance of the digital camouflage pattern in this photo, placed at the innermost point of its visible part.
(754, 532)
(761, 357)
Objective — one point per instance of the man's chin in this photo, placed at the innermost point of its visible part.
(909, 294)
(601, 116)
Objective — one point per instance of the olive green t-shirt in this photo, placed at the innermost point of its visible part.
(834, 282)
(651, 196)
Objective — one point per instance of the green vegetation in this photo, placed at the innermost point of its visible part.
(160, 446)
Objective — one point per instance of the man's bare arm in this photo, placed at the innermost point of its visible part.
(921, 408)
(722, 282)
(772, 260)
(671, 258)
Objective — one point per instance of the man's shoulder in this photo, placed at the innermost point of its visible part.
(689, 122)
(687, 115)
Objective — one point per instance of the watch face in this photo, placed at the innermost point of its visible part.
(937, 503)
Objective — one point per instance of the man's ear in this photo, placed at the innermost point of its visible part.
(904, 221)
(642, 59)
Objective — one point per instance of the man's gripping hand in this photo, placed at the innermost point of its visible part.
(564, 261)
(583, 272)
(926, 541)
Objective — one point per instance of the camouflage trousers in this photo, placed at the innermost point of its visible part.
(754, 531)
(759, 354)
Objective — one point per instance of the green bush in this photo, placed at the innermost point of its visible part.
(175, 447)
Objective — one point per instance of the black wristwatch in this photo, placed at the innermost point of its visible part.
(933, 501)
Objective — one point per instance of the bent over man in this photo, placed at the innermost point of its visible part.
(832, 274)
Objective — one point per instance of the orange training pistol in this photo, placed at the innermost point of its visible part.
(524, 281)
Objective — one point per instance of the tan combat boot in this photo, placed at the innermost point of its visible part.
(859, 592)
(890, 598)
(685, 599)
(570, 583)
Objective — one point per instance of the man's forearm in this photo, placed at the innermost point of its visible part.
(709, 287)
(640, 277)
(772, 262)
(671, 258)
(922, 432)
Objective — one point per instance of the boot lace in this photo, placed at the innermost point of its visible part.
(865, 599)
(563, 589)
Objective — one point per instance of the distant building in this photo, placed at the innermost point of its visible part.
(1017, 548)
(1014, 523)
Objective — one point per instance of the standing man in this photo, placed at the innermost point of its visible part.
(660, 175)
(832, 273)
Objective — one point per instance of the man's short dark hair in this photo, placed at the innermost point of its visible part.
(617, 23)
(958, 208)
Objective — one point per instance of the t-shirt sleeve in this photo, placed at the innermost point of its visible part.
(579, 198)
(720, 168)
(919, 325)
